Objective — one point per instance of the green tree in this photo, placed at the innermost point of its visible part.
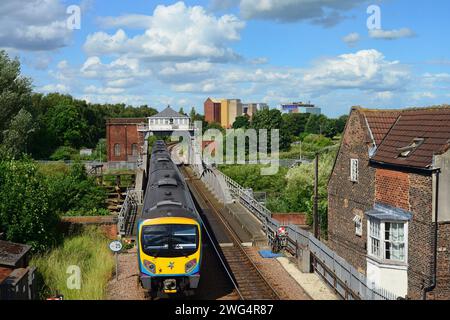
(27, 213)
(272, 119)
(340, 123)
(15, 90)
(294, 123)
(66, 125)
(299, 193)
(241, 122)
(320, 124)
(15, 139)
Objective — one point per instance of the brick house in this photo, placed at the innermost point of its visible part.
(123, 138)
(391, 166)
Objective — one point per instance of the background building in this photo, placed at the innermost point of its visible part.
(123, 138)
(300, 107)
(234, 110)
(212, 110)
(251, 108)
(225, 111)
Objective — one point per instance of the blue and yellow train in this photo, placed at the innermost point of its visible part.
(169, 234)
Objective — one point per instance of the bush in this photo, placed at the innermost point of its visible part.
(249, 176)
(27, 213)
(90, 252)
(64, 153)
(75, 191)
(84, 213)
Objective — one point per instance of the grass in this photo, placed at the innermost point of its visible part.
(90, 252)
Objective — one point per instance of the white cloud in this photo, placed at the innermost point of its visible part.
(392, 34)
(102, 91)
(364, 70)
(423, 95)
(325, 12)
(134, 21)
(34, 25)
(49, 88)
(176, 32)
(385, 95)
(122, 72)
(352, 39)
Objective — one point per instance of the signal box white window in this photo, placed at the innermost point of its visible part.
(387, 241)
(354, 170)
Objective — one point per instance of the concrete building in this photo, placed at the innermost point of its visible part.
(225, 111)
(234, 110)
(212, 110)
(300, 107)
(251, 108)
(391, 177)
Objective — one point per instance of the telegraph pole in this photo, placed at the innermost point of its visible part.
(316, 198)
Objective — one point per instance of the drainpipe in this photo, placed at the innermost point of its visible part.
(436, 225)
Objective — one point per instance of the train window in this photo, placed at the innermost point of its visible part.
(184, 237)
(171, 240)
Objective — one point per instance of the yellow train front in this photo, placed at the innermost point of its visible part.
(169, 233)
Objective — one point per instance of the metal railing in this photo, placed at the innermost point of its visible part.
(128, 212)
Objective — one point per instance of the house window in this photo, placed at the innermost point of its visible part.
(117, 150)
(387, 240)
(374, 239)
(358, 225)
(134, 149)
(394, 241)
(354, 170)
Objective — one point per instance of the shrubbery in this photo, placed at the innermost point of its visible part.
(75, 191)
(27, 208)
(32, 197)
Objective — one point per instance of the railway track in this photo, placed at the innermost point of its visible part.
(248, 281)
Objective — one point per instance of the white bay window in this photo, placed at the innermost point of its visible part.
(387, 240)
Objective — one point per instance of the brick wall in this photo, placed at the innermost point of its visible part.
(290, 218)
(347, 199)
(392, 188)
(73, 225)
(442, 290)
(420, 234)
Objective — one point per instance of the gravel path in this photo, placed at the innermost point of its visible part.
(127, 287)
(286, 286)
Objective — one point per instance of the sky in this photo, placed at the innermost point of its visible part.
(142, 52)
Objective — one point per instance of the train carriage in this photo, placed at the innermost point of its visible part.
(169, 233)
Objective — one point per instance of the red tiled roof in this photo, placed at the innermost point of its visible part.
(4, 273)
(380, 122)
(430, 124)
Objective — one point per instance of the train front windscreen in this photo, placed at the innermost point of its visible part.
(170, 240)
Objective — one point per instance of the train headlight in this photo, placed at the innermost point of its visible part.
(189, 266)
(149, 266)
